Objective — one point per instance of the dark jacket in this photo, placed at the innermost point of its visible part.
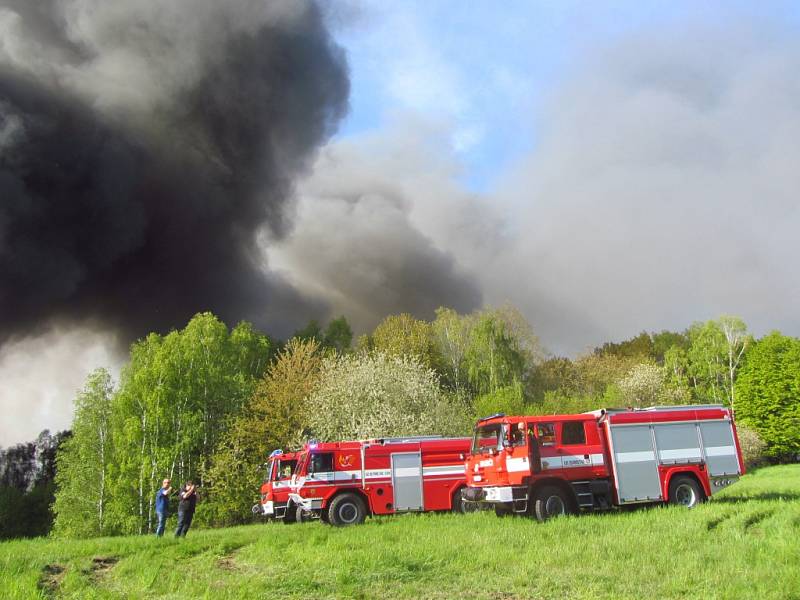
(187, 503)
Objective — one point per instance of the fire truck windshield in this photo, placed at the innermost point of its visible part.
(488, 437)
(282, 469)
(301, 464)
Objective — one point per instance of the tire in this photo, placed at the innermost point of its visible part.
(290, 515)
(551, 501)
(300, 516)
(459, 505)
(347, 509)
(323, 516)
(685, 491)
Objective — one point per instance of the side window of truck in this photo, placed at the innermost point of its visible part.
(546, 434)
(573, 432)
(321, 463)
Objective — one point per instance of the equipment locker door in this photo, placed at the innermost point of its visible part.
(635, 463)
(407, 480)
(719, 448)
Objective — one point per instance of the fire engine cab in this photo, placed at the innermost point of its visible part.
(551, 465)
(343, 482)
(275, 488)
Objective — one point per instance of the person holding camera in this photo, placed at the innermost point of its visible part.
(162, 505)
(188, 501)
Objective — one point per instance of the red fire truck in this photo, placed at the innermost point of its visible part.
(275, 489)
(343, 482)
(551, 465)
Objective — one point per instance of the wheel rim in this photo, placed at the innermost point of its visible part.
(685, 495)
(554, 506)
(348, 513)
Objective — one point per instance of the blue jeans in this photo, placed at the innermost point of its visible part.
(162, 523)
(184, 521)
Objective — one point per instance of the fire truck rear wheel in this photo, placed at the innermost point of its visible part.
(459, 505)
(347, 509)
(551, 501)
(685, 491)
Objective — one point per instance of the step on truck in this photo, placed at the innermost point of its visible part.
(275, 487)
(342, 483)
(546, 466)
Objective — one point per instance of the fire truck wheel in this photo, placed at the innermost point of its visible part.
(300, 516)
(459, 505)
(685, 491)
(551, 501)
(290, 516)
(347, 509)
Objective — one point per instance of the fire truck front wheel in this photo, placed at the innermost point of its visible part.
(550, 501)
(347, 509)
(685, 491)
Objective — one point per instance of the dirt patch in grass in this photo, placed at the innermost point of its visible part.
(227, 563)
(50, 579)
(101, 565)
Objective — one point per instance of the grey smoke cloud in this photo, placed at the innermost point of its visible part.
(661, 191)
(369, 235)
(144, 146)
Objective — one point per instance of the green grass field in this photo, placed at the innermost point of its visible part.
(743, 544)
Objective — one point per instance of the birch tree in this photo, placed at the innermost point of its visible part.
(82, 475)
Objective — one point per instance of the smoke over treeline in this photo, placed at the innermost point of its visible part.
(144, 146)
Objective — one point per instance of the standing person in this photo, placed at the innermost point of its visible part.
(188, 496)
(162, 505)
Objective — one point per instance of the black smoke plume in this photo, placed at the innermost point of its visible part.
(145, 146)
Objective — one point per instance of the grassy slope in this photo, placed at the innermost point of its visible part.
(744, 543)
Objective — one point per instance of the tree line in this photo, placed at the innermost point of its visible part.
(209, 403)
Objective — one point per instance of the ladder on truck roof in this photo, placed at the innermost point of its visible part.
(613, 411)
(407, 440)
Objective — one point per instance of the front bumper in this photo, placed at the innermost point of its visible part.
(307, 504)
(266, 509)
(491, 495)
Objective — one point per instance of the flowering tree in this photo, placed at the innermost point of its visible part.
(379, 395)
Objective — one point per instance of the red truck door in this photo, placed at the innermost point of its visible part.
(571, 449)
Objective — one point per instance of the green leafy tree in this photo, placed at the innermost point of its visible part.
(508, 400)
(273, 418)
(555, 373)
(768, 398)
(495, 357)
(338, 335)
(312, 331)
(83, 463)
(451, 333)
(403, 335)
(596, 373)
(175, 401)
(713, 358)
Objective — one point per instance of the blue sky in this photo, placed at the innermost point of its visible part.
(483, 68)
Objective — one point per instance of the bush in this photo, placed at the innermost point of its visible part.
(753, 447)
